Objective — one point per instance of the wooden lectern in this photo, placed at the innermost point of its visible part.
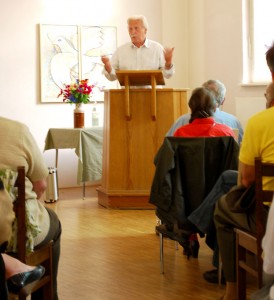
(140, 78)
(135, 123)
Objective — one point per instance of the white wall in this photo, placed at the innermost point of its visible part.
(175, 31)
(215, 51)
(19, 52)
(206, 35)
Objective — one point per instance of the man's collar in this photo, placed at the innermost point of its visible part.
(146, 44)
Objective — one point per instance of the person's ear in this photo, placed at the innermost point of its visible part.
(215, 106)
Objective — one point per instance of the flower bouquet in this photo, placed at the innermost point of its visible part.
(78, 92)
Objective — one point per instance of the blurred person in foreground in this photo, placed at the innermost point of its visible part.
(19, 148)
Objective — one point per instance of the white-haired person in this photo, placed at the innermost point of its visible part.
(140, 53)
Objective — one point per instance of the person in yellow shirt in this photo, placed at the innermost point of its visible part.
(258, 141)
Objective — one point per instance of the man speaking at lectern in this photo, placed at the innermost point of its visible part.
(139, 54)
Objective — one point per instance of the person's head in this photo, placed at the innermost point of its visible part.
(202, 103)
(218, 88)
(137, 29)
(269, 95)
(269, 55)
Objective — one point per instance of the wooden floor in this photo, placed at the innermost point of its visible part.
(114, 255)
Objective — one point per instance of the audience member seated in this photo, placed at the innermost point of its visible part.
(202, 104)
(18, 148)
(202, 220)
(219, 116)
(258, 141)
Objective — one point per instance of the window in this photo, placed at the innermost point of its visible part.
(258, 36)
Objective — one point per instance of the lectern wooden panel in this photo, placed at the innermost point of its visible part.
(143, 78)
(130, 145)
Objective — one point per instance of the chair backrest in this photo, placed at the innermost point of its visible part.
(247, 242)
(20, 213)
(263, 197)
(186, 171)
(41, 256)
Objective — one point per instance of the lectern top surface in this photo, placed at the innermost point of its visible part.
(140, 77)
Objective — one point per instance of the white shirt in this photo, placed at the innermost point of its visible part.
(268, 247)
(149, 56)
(268, 242)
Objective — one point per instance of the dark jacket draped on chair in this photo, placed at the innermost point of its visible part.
(186, 171)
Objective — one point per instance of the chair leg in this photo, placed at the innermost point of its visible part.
(220, 269)
(45, 293)
(22, 297)
(241, 274)
(161, 253)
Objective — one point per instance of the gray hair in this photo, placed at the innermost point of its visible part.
(142, 18)
(218, 88)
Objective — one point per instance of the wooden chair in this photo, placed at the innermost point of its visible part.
(247, 243)
(40, 256)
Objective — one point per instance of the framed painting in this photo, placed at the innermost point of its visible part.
(70, 52)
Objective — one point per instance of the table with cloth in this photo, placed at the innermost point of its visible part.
(88, 147)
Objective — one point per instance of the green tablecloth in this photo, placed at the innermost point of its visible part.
(88, 144)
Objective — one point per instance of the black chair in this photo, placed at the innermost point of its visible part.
(186, 171)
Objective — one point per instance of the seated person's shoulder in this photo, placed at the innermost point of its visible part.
(9, 123)
(182, 120)
(227, 118)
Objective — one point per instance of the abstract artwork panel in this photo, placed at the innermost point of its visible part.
(70, 52)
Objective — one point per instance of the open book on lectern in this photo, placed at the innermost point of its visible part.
(140, 77)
